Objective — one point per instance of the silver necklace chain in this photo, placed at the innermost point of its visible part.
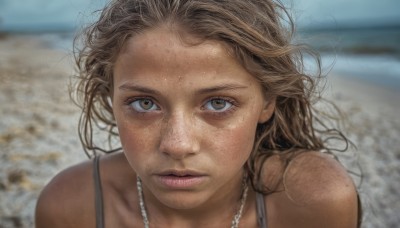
(141, 202)
(235, 220)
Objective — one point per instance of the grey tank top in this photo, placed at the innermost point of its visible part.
(98, 194)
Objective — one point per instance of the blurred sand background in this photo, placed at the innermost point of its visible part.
(38, 131)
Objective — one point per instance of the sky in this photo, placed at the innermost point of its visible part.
(34, 14)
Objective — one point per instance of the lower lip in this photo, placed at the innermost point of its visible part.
(178, 182)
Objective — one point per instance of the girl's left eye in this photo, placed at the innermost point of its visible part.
(144, 105)
(218, 105)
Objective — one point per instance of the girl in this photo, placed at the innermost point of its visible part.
(214, 117)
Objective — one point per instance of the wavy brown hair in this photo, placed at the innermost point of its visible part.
(257, 32)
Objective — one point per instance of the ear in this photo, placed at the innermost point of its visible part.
(267, 111)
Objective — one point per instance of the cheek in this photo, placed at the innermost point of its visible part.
(237, 141)
(130, 139)
(138, 145)
(136, 141)
(132, 133)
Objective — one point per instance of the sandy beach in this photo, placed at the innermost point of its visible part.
(38, 131)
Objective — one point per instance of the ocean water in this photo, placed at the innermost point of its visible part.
(371, 54)
(380, 69)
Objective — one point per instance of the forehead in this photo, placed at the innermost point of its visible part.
(167, 41)
(162, 53)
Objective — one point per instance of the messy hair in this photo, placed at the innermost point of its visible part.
(258, 33)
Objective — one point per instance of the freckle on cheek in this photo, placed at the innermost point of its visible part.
(239, 140)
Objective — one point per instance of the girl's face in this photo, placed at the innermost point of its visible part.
(186, 115)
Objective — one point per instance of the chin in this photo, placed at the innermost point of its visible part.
(183, 200)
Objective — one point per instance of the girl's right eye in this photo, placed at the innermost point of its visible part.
(144, 105)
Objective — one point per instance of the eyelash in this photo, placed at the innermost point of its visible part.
(232, 108)
(129, 102)
(232, 102)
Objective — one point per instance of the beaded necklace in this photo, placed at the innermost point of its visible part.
(235, 220)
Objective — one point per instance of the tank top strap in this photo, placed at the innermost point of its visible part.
(261, 211)
(98, 193)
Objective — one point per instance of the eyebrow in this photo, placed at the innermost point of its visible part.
(133, 87)
(223, 87)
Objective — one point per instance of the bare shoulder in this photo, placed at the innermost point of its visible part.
(315, 177)
(67, 200)
(318, 192)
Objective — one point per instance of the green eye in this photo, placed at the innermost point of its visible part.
(218, 105)
(144, 105)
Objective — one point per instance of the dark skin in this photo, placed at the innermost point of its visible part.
(330, 200)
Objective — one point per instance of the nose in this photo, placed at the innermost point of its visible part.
(178, 137)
